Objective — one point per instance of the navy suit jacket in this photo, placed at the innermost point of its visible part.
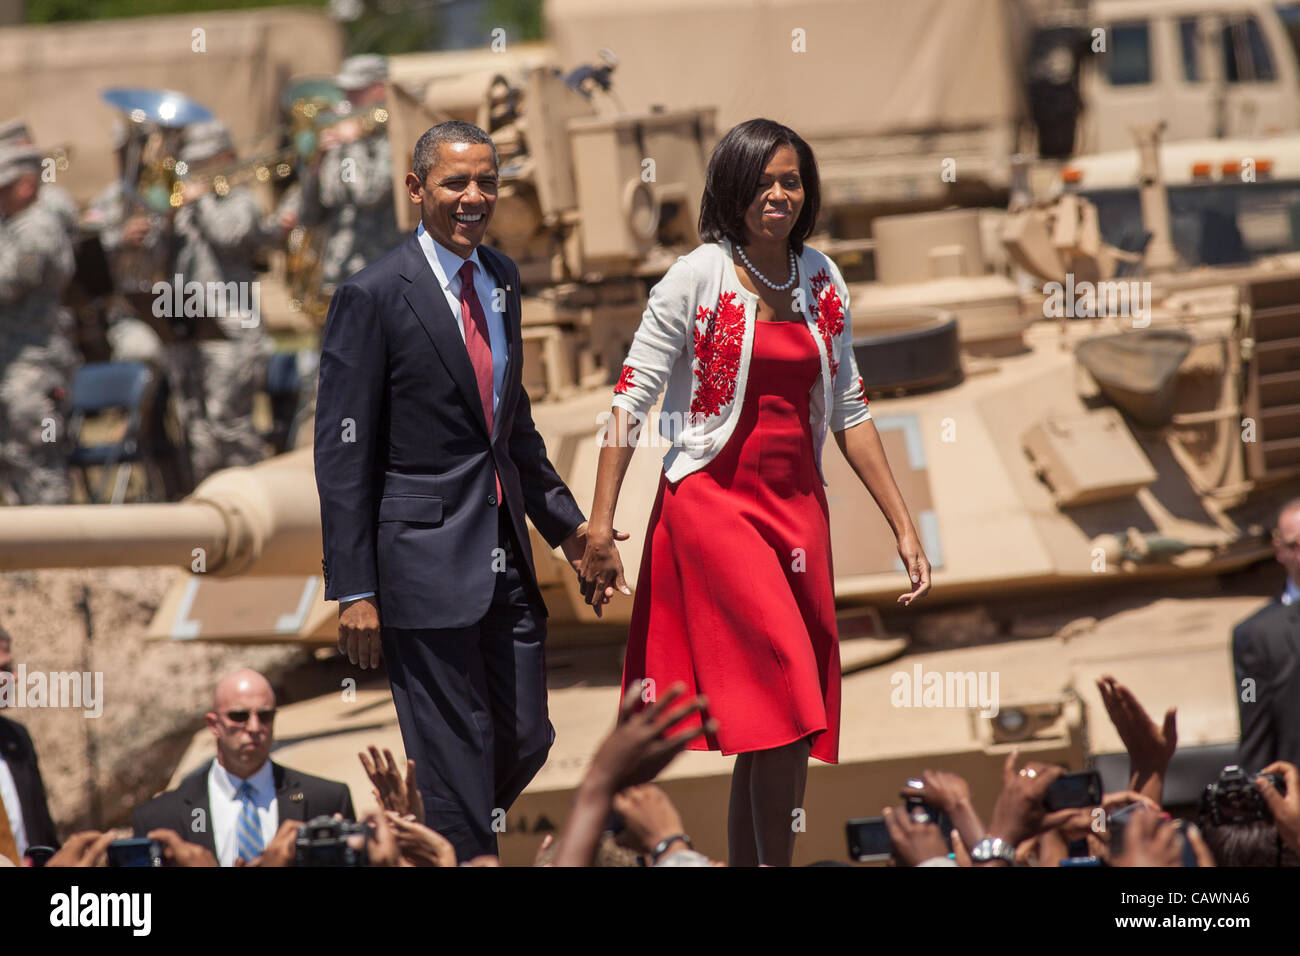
(16, 747)
(404, 460)
(1266, 647)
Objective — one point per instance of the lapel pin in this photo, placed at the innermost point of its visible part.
(296, 797)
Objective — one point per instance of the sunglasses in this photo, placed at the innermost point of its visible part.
(241, 716)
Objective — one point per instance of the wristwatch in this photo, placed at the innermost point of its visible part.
(993, 848)
(662, 846)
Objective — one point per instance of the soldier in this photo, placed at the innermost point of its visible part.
(348, 189)
(36, 356)
(124, 227)
(15, 132)
(214, 379)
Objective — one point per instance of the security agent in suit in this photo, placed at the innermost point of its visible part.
(427, 462)
(22, 791)
(1266, 650)
(212, 807)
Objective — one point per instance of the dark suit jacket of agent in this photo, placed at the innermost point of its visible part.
(299, 796)
(1266, 648)
(408, 508)
(16, 747)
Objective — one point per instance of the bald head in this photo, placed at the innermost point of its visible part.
(243, 710)
(239, 683)
(1286, 539)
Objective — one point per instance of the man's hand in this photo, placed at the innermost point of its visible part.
(134, 231)
(649, 814)
(918, 566)
(594, 556)
(1019, 812)
(176, 852)
(392, 791)
(359, 632)
(1150, 840)
(89, 848)
(914, 842)
(282, 850)
(1285, 809)
(420, 845)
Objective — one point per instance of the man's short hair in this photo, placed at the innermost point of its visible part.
(451, 132)
(1286, 506)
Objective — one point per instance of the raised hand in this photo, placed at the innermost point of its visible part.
(392, 791)
(1150, 748)
(420, 845)
(638, 748)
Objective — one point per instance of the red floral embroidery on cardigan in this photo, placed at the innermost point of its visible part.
(624, 380)
(830, 314)
(863, 389)
(719, 339)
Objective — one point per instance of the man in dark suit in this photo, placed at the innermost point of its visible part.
(234, 805)
(1266, 658)
(427, 462)
(27, 819)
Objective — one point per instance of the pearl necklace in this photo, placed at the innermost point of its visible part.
(764, 279)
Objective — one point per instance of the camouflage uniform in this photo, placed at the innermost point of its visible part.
(129, 338)
(36, 356)
(351, 197)
(215, 381)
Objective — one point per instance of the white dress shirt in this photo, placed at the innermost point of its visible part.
(446, 266)
(223, 798)
(9, 796)
(1292, 593)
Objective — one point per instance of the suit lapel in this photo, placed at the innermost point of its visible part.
(514, 331)
(194, 796)
(289, 796)
(429, 304)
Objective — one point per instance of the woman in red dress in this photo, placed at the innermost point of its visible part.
(735, 594)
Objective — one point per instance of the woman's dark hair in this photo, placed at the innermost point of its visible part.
(732, 180)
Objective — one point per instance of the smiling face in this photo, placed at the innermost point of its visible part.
(778, 199)
(458, 196)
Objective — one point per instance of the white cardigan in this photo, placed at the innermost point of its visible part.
(697, 333)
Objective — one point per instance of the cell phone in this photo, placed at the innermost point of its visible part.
(869, 840)
(1081, 861)
(1071, 790)
(138, 852)
(39, 855)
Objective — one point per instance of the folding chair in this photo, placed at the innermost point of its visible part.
(98, 387)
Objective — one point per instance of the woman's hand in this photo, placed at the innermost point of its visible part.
(918, 567)
(600, 569)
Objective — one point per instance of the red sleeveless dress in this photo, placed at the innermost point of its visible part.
(735, 595)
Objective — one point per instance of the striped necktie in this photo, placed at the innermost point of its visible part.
(248, 830)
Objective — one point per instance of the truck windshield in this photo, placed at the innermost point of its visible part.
(1214, 224)
(1289, 14)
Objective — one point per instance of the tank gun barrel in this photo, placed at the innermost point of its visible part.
(259, 520)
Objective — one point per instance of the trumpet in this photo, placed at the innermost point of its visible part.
(272, 166)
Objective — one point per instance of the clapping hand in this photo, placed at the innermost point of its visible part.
(420, 845)
(1150, 748)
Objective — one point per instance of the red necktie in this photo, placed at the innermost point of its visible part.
(478, 345)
